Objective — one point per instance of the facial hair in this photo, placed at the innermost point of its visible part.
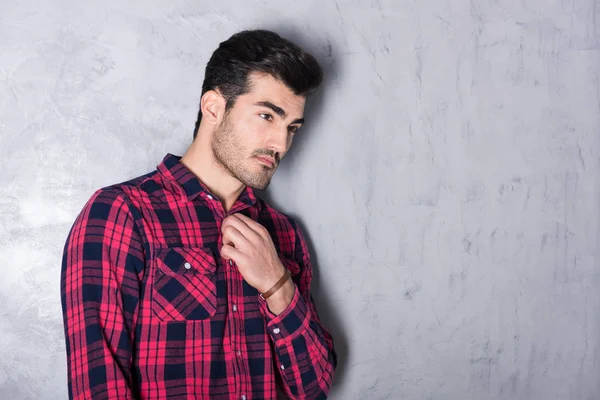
(229, 153)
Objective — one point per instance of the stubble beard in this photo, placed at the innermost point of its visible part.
(231, 158)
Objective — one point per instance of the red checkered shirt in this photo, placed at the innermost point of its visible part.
(152, 311)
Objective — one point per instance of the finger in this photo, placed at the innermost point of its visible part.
(255, 226)
(246, 230)
(229, 252)
(232, 236)
(234, 219)
(226, 238)
(252, 224)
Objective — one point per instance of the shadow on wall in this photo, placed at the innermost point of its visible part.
(313, 112)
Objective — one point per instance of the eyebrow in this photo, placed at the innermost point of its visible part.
(278, 110)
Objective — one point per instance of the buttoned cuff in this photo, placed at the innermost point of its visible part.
(292, 321)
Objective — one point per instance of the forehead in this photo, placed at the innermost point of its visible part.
(264, 87)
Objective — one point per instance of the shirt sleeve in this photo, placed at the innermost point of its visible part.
(304, 350)
(101, 264)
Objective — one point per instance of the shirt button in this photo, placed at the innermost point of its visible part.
(234, 307)
(243, 397)
(282, 367)
(209, 196)
(187, 265)
(276, 331)
(230, 262)
(239, 353)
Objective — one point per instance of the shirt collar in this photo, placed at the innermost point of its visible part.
(175, 171)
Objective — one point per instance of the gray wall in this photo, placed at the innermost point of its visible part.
(447, 178)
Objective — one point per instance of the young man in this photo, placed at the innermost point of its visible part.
(182, 283)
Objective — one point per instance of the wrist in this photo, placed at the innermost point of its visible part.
(281, 298)
(275, 283)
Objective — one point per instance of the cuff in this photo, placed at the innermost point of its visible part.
(292, 321)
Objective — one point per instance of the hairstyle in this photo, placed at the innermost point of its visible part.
(258, 51)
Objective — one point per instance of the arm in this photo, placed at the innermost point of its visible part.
(304, 351)
(102, 257)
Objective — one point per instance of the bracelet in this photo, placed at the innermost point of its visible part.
(276, 286)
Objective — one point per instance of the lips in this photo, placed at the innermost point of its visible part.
(269, 162)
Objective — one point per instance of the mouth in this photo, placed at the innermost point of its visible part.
(269, 162)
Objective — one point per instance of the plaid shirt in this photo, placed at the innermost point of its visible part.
(152, 311)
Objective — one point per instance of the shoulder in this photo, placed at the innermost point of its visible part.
(103, 203)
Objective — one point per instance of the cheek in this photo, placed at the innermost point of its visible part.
(247, 138)
(254, 131)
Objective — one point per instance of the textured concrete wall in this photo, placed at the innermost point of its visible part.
(447, 178)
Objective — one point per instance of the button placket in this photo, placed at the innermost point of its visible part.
(236, 322)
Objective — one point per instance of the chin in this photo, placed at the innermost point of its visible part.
(259, 183)
(259, 179)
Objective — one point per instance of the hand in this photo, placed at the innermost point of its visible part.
(249, 244)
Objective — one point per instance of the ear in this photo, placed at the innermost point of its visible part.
(212, 105)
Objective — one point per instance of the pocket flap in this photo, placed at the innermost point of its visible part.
(187, 260)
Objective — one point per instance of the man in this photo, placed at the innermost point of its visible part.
(182, 283)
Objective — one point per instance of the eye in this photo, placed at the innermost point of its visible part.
(293, 128)
(266, 116)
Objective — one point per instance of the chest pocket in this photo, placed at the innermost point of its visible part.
(184, 284)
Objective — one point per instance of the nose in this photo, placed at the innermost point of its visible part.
(278, 140)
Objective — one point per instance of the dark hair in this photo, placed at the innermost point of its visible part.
(258, 51)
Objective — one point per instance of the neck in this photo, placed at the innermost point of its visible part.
(200, 159)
